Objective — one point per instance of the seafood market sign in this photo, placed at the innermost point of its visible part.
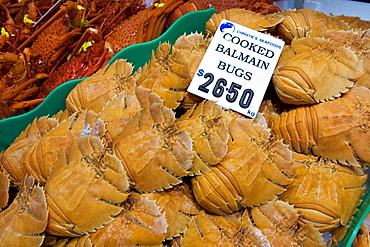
(237, 68)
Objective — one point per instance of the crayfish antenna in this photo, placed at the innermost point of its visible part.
(63, 9)
(25, 104)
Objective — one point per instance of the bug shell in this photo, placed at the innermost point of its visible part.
(25, 220)
(278, 221)
(117, 112)
(254, 162)
(13, 157)
(214, 230)
(313, 70)
(141, 222)
(39, 162)
(151, 144)
(84, 176)
(303, 22)
(15, 154)
(166, 74)
(177, 205)
(246, 18)
(76, 241)
(92, 94)
(4, 188)
(354, 22)
(337, 130)
(193, 47)
(274, 224)
(359, 42)
(206, 124)
(324, 193)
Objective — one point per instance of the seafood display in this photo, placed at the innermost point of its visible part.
(136, 160)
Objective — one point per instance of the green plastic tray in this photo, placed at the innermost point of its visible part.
(358, 219)
(138, 55)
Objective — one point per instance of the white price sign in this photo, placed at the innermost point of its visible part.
(237, 68)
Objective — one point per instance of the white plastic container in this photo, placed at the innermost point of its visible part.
(335, 7)
(340, 7)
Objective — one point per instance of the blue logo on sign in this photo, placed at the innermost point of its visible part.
(227, 25)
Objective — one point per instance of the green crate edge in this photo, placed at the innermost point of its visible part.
(358, 219)
(137, 54)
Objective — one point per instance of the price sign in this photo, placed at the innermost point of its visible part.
(237, 68)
